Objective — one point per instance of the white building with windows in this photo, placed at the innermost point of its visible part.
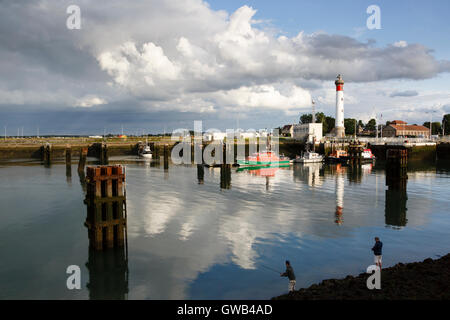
(308, 132)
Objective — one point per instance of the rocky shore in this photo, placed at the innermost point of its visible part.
(426, 280)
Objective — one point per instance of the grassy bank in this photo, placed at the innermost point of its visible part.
(429, 280)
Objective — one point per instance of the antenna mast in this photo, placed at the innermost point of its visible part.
(313, 120)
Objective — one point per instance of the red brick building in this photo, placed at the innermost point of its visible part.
(399, 128)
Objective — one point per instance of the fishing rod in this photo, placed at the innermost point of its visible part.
(269, 268)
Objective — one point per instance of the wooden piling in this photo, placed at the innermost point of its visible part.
(156, 153)
(225, 170)
(68, 154)
(355, 154)
(166, 157)
(82, 161)
(47, 153)
(200, 173)
(396, 168)
(106, 203)
(104, 153)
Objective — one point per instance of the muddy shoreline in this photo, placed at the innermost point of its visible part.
(426, 280)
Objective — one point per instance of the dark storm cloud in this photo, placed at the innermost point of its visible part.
(150, 57)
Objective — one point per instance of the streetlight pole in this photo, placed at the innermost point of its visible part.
(443, 126)
(431, 116)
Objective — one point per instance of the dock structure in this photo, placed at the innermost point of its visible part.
(106, 206)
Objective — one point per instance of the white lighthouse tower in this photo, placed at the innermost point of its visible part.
(339, 125)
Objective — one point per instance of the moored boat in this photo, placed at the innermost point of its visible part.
(267, 158)
(146, 152)
(309, 157)
(337, 156)
(367, 155)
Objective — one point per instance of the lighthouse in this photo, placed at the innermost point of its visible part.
(340, 129)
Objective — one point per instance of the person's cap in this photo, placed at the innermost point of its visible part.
(287, 262)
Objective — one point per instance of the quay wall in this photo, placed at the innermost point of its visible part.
(414, 153)
(289, 148)
(443, 150)
(9, 152)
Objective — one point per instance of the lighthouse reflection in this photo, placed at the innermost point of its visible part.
(339, 172)
(340, 182)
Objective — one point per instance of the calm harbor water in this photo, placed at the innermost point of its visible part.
(191, 240)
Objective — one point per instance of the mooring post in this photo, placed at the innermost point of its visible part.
(200, 166)
(156, 152)
(47, 153)
(105, 199)
(225, 170)
(166, 156)
(200, 173)
(68, 153)
(104, 153)
(396, 168)
(82, 161)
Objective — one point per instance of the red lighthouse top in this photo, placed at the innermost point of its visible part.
(339, 83)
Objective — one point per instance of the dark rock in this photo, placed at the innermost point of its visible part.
(427, 280)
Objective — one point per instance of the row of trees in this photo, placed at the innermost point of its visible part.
(439, 127)
(328, 123)
(351, 124)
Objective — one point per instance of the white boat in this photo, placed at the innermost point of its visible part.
(309, 157)
(146, 152)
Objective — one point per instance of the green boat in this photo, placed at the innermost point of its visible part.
(261, 159)
(251, 168)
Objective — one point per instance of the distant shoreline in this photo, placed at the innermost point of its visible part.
(426, 280)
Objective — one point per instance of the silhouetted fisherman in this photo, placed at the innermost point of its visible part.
(377, 251)
(291, 276)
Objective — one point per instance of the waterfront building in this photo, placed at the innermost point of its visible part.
(399, 128)
(308, 132)
(287, 130)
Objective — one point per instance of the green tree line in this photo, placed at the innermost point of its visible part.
(351, 124)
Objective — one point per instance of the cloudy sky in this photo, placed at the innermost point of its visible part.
(159, 65)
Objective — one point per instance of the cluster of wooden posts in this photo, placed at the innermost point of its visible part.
(106, 206)
(355, 154)
(47, 155)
